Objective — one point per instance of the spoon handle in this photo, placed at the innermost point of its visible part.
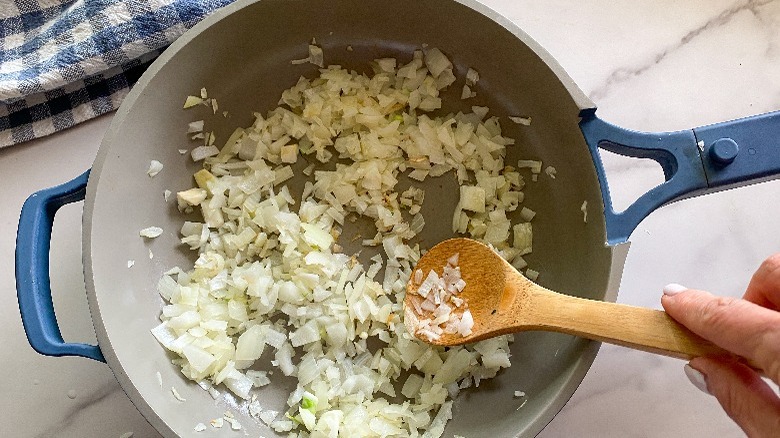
(639, 328)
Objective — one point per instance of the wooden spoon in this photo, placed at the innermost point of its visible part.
(503, 301)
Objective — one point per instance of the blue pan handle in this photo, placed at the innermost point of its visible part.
(33, 287)
(695, 161)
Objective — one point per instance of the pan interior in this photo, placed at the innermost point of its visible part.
(243, 59)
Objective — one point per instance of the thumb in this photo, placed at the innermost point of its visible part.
(745, 397)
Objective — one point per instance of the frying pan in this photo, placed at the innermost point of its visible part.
(241, 55)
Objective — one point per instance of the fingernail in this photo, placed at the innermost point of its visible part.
(673, 289)
(697, 378)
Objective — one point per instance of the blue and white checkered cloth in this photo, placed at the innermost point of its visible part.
(63, 62)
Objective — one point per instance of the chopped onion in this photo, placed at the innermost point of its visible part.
(315, 57)
(151, 232)
(472, 76)
(154, 168)
(472, 198)
(268, 416)
(523, 237)
(438, 312)
(584, 210)
(202, 152)
(436, 62)
(534, 165)
(467, 93)
(191, 197)
(525, 121)
(192, 101)
(176, 395)
(527, 214)
(195, 127)
(270, 280)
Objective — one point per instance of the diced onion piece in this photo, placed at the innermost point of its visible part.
(525, 121)
(154, 168)
(523, 237)
(472, 198)
(250, 344)
(234, 424)
(436, 62)
(202, 152)
(193, 196)
(195, 127)
(151, 232)
(282, 174)
(386, 64)
(316, 55)
(527, 214)
(176, 395)
(534, 165)
(467, 93)
(203, 177)
(192, 101)
(584, 209)
(472, 76)
(289, 153)
(268, 416)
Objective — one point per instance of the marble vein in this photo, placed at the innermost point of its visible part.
(623, 74)
(80, 406)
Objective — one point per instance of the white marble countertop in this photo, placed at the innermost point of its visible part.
(648, 65)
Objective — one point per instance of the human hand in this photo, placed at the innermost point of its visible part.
(748, 327)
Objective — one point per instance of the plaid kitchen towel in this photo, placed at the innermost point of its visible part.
(63, 62)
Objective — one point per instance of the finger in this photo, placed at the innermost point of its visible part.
(747, 399)
(764, 287)
(736, 325)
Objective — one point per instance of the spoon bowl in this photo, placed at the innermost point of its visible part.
(502, 301)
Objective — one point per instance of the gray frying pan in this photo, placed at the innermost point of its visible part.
(241, 54)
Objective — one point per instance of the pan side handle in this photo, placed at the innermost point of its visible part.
(695, 161)
(677, 154)
(33, 287)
